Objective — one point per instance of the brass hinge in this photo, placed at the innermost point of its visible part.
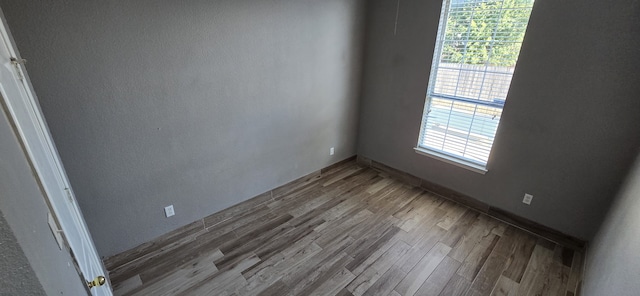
(69, 195)
(16, 64)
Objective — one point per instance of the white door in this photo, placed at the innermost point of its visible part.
(25, 114)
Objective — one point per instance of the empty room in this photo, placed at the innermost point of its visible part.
(320, 147)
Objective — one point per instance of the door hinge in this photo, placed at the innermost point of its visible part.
(16, 64)
(69, 195)
(57, 233)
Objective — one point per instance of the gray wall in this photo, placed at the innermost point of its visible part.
(570, 127)
(25, 212)
(16, 275)
(201, 104)
(613, 264)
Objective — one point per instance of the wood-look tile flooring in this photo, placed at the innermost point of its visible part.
(349, 230)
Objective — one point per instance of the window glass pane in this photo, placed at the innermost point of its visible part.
(476, 52)
(461, 129)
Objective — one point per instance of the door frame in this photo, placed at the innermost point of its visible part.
(31, 128)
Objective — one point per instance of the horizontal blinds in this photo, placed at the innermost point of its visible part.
(461, 129)
(477, 49)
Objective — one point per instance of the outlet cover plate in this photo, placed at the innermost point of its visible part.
(527, 198)
(168, 211)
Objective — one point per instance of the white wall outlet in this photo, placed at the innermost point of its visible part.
(168, 211)
(332, 151)
(527, 198)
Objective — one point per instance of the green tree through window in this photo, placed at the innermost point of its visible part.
(488, 32)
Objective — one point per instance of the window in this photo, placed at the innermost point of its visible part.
(476, 52)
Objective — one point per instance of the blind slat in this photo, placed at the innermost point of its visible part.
(477, 48)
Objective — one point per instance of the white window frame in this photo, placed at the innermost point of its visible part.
(457, 160)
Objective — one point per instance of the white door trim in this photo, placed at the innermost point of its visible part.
(32, 129)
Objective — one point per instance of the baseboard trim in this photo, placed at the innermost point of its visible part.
(199, 226)
(337, 164)
(472, 203)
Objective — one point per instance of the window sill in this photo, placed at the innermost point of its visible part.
(452, 160)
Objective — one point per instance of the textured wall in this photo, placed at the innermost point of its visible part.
(25, 212)
(16, 275)
(613, 264)
(201, 104)
(570, 127)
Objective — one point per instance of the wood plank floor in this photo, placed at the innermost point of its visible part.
(349, 230)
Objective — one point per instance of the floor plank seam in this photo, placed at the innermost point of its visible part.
(357, 233)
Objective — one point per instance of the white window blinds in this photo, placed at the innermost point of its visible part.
(476, 52)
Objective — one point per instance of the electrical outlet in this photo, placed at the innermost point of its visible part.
(332, 151)
(168, 211)
(527, 198)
